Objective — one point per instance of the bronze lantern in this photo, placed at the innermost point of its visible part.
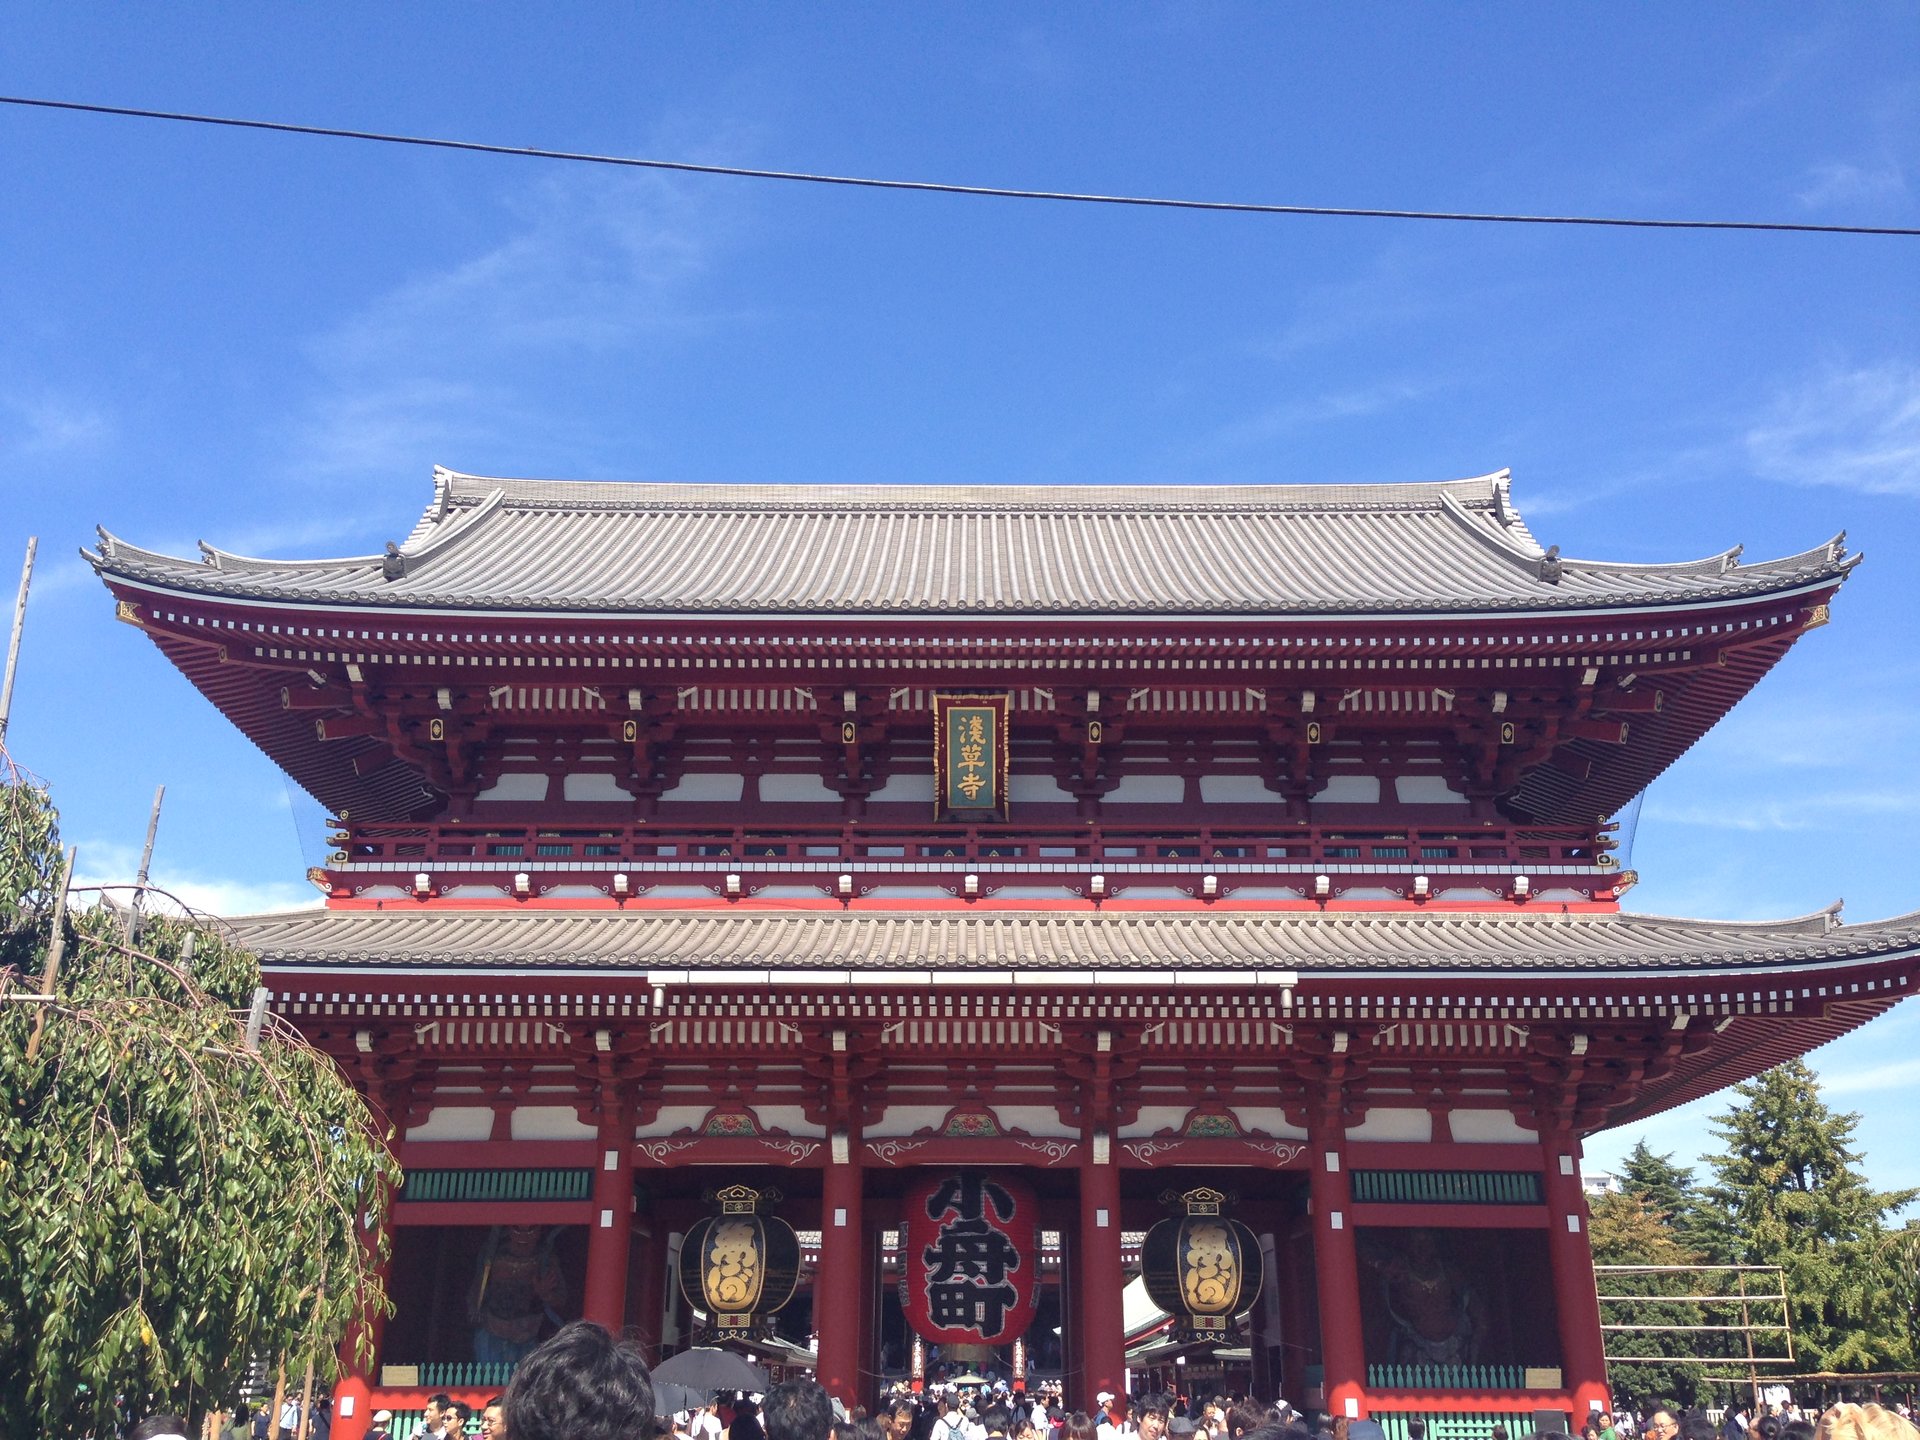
(739, 1267)
(1201, 1267)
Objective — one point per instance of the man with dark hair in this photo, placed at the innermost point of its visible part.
(792, 1410)
(1150, 1418)
(996, 1419)
(493, 1423)
(432, 1413)
(1416, 1429)
(896, 1417)
(453, 1419)
(581, 1385)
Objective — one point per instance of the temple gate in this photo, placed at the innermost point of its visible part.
(1081, 846)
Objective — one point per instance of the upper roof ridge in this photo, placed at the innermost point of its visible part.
(1425, 548)
(455, 489)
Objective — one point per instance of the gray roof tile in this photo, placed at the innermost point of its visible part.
(999, 942)
(1129, 550)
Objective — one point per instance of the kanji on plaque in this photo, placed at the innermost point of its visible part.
(970, 754)
(971, 1259)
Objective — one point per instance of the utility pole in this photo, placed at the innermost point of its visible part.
(146, 864)
(56, 948)
(13, 644)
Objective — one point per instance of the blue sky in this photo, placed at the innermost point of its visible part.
(267, 341)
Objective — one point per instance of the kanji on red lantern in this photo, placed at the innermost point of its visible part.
(971, 1268)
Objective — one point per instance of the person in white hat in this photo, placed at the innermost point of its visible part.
(1114, 1421)
(382, 1425)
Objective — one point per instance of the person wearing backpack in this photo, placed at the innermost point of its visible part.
(952, 1424)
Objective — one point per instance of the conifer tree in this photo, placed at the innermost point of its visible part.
(1627, 1229)
(1667, 1190)
(1786, 1191)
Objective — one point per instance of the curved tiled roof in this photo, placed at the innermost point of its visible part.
(1150, 945)
(603, 547)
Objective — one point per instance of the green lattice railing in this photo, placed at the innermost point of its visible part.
(497, 1185)
(1448, 1187)
(1447, 1377)
(466, 1374)
(1450, 1424)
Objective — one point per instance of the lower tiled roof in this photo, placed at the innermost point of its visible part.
(1153, 945)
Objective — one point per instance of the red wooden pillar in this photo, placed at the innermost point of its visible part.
(1097, 1278)
(1072, 1324)
(1263, 1323)
(390, 1099)
(1336, 1263)
(352, 1393)
(837, 1291)
(1570, 1250)
(1296, 1307)
(610, 1234)
(870, 1268)
(650, 1303)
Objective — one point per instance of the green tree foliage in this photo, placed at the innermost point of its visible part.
(1629, 1229)
(172, 1201)
(1902, 1259)
(1785, 1191)
(1667, 1190)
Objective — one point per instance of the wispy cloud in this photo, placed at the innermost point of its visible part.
(1027, 56)
(1843, 184)
(1895, 1075)
(113, 864)
(455, 356)
(1811, 732)
(1302, 412)
(43, 423)
(1831, 810)
(1399, 288)
(1858, 429)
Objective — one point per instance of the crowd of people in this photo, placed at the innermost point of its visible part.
(587, 1384)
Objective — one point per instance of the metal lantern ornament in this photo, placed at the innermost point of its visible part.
(739, 1266)
(1201, 1268)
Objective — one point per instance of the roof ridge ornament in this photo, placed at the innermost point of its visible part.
(1503, 498)
(1549, 567)
(393, 565)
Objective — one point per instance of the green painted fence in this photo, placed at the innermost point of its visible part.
(486, 1185)
(1446, 1377)
(1448, 1187)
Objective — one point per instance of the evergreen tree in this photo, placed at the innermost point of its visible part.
(1628, 1229)
(1786, 1192)
(1903, 1269)
(1668, 1191)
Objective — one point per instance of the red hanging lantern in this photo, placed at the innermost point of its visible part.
(970, 1272)
(1202, 1268)
(739, 1266)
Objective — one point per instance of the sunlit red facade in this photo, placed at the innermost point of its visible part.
(1302, 886)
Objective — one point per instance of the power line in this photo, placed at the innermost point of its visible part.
(934, 187)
